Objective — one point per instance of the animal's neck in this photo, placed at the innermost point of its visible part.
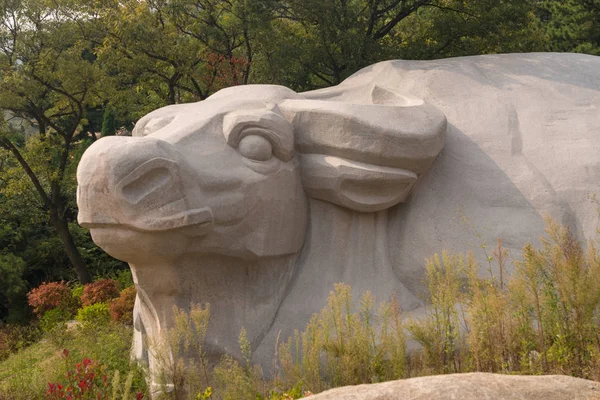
(350, 247)
(242, 294)
(340, 246)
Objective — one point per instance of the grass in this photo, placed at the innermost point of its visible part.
(25, 375)
(543, 318)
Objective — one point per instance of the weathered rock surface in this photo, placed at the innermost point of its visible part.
(472, 386)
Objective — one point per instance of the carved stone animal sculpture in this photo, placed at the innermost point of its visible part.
(259, 199)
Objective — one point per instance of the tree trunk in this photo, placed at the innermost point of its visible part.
(171, 94)
(62, 228)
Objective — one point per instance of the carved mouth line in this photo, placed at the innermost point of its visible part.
(196, 222)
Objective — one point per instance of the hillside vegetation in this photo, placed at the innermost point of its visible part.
(543, 318)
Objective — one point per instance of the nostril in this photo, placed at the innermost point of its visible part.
(156, 181)
(145, 184)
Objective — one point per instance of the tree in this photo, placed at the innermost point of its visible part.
(165, 52)
(333, 39)
(452, 28)
(572, 25)
(109, 123)
(48, 80)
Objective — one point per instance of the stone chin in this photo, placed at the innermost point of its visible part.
(134, 246)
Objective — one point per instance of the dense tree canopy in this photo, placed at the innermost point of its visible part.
(72, 70)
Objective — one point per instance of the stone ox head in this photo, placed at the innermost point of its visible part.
(209, 202)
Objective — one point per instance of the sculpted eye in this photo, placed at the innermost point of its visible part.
(255, 148)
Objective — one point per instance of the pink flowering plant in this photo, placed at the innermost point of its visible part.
(87, 381)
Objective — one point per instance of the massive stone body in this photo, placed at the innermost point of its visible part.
(258, 199)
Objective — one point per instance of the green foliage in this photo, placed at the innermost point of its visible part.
(77, 292)
(499, 328)
(570, 25)
(109, 122)
(94, 315)
(13, 286)
(53, 318)
(338, 347)
(124, 279)
(54, 326)
(235, 381)
(543, 319)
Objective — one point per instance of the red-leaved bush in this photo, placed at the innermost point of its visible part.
(50, 295)
(121, 308)
(88, 381)
(99, 292)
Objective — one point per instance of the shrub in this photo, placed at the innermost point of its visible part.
(54, 326)
(560, 283)
(121, 308)
(53, 318)
(77, 292)
(124, 279)
(99, 292)
(50, 295)
(172, 353)
(438, 332)
(94, 315)
(341, 347)
(16, 337)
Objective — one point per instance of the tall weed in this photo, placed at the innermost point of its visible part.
(439, 332)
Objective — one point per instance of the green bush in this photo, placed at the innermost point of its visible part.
(124, 279)
(54, 325)
(94, 315)
(52, 318)
(77, 292)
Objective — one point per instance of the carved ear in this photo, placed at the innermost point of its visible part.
(355, 185)
(367, 155)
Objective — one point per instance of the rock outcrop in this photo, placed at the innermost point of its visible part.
(472, 386)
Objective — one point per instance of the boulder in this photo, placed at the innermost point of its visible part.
(471, 386)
